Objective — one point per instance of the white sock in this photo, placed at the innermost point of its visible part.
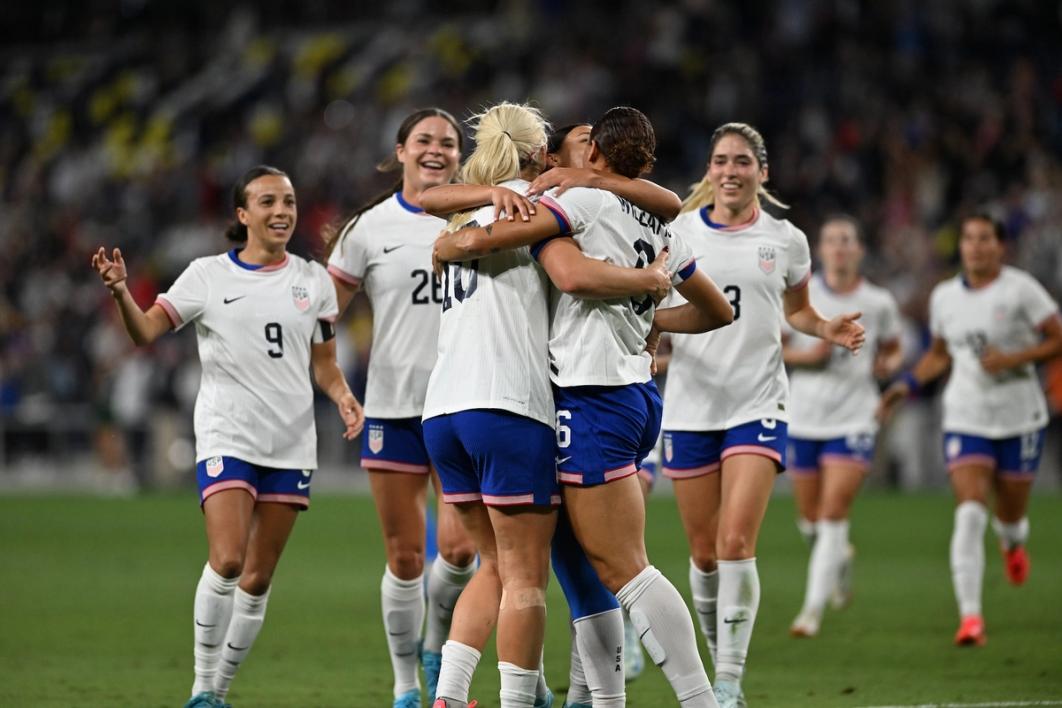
(248, 614)
(578, 691)
(705, 590)
(824, 568)
(807, 530)
(664, 625)
(968, 555)
(445, 583)
(518, 686)
(600, 641)
(739, 599)
(403, 615)
(1012, 535)
(541, 688)
(213, 610)
(459, 662)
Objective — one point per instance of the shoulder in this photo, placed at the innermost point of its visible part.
(877, 293)
(784, 229)
(945, 290)
(1019, 277)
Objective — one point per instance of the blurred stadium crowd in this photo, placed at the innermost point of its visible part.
(126, 122)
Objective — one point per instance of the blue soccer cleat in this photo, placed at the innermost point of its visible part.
(546, 701)
(202, 700)
(729, 694)
(432, 663)
(409, 699)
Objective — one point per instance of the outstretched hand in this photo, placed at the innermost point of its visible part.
(845, 331)
(112, 272)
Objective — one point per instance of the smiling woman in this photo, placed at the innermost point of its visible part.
(260, 315)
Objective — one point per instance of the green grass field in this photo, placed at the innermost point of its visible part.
(95, 610)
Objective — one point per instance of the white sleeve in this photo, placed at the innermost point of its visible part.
(576, 209)
(329, 307)
(799, 260)
(1036, 302)
(891, 325)
(350, 258)
(187, 297)
(680, 260)
(936, 317)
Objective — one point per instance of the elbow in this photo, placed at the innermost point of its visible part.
(673, 209)
(567, 281)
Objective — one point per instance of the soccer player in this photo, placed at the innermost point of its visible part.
(607, 406)
(726, 402)
(990, 325)
(263, 319)
(385, 249)
(489, 427)
(834, 396)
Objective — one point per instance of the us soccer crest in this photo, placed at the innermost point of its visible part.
(669, 451)
(376, 439)
(767, 259)
(215, 466)
(301, 296)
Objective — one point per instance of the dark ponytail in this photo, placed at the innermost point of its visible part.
(237, 232)
(626, 140)
(332, 233)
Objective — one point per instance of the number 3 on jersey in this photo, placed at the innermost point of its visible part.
(734, 293)
(460, 281)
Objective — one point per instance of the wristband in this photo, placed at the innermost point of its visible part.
(912, 383)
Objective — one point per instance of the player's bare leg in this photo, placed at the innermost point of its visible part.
(971, 484)
(1012, 525)
(698, 505)
(617, 552)
(806, 489)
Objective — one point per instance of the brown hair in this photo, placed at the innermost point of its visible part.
(703, 194)
(237, 232)
(626, 140)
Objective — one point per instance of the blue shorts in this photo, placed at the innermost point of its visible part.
(807, 456)
(265, 484)
(394, 445)
(690, 454)
(605, 432)
(1018, 456)
(493, 456)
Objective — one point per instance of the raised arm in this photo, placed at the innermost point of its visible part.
(647, 195)
(573, 273)
(449, 198)
(475, 242)
(706, 308)
(929, 368)
(330, 379)
(143, 327)
(804, 317)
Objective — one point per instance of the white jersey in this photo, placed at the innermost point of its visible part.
(1006, 315)
(494, 335)
(734, 375)
(840, 398)
(602, 342)
(255, 328)
(388, 253)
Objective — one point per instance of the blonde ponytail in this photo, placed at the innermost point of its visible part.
(702, 193)
(507, 137)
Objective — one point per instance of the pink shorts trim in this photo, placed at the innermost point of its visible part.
(752, 450)
(462, 497)
(391, 466)
(344, 276)
(620, 472)
(690, 472)
(610, 476)
(986, 460)
(295, 499)
(848, 460)
(229, 484)
(1018, 474)
(570, 477)
(170, 310)
(517, 500)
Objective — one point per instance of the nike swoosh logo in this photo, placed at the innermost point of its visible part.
(233, 299)
(388, 249)
(303, 485)
(736, 620)
(562, 460)
(764, 438)
(200, 624)
(229, 645)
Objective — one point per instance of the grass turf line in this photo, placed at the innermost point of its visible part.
(95, 606)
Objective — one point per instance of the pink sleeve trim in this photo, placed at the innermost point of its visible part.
(170, 310)
(341, 274)
(802, 284)
(556, 208)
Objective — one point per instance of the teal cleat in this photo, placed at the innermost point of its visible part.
(633, 659)
(202, 700)
(409, 699)
(432, 663)
(729, 694)
(546, 701)
(575, 705)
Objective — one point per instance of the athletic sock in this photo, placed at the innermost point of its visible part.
(211, 614)
(664, 625)
(459, 662)
(968, 555)
(705, 590)
(739, 599)
(403, 614)
(824, 568)
(248, 614)
(578, 690)
(600, 641)
(518, 686)
(1012, 535)
(541, 688)
(445, 583)
(807, 530)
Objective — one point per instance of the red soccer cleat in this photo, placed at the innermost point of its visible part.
(1016, 561)
(440, 703)
(971, 632)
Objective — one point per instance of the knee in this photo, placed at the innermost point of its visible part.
(460, 553)
(736, 545)
(406, 562)
(256, 582)
(228, 563)
(704, 556)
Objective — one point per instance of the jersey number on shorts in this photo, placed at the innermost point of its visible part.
(419, 296)
(462, 288)
(646, 255)
(734, 293)
(275, 335)
(564, 433)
